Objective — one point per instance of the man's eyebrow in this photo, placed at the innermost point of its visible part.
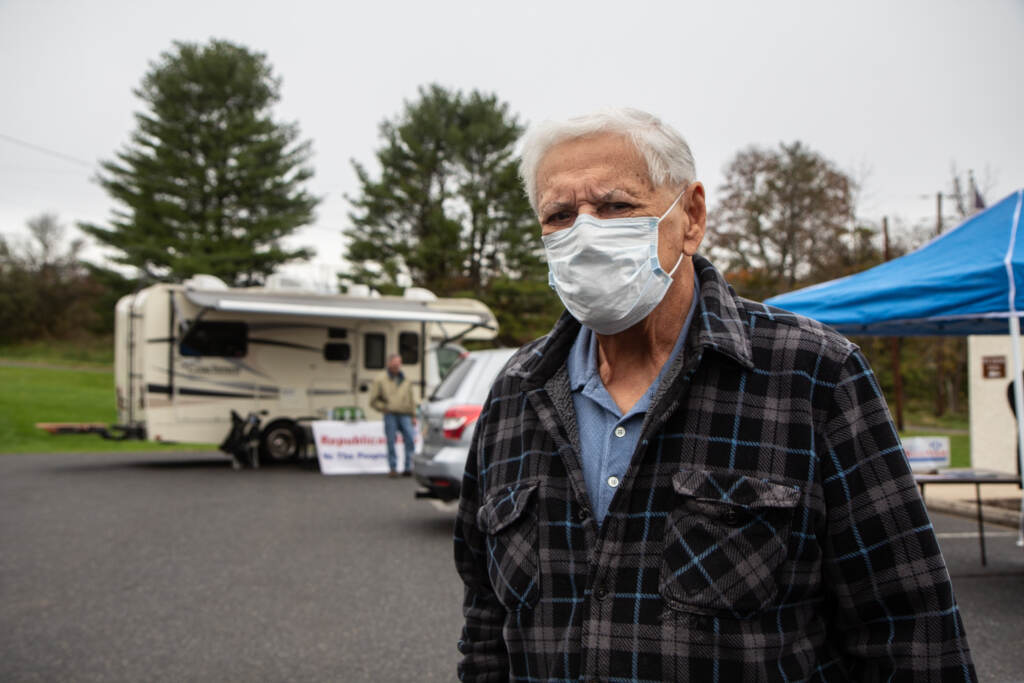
(556, 206)
(615, 194)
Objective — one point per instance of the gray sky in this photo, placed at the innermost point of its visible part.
(893, 92)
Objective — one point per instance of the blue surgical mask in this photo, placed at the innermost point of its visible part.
(607, 272)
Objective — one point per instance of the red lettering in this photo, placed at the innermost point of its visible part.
(342, 441)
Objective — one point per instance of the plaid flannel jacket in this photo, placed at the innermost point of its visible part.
(768, 527)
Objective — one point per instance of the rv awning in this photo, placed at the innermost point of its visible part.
(326, 307)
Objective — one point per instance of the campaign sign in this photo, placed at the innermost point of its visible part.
(354, 447)
(927, 453)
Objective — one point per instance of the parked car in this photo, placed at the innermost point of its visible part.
(447, 420)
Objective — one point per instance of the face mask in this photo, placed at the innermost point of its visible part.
(606, 272)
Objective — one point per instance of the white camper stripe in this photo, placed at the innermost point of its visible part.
(425, 315)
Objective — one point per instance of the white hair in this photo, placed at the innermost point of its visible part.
(668, 157)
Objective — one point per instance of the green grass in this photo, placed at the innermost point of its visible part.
(36, 394)
(959, 446)
(925, 418)
(88, 352)
(33, 394)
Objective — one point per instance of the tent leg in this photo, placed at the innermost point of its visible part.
(1018, 397)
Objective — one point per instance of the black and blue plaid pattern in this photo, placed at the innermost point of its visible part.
(768, 527)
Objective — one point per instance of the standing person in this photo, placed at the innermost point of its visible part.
(392, 395)
(1012, 399)
(676, 483)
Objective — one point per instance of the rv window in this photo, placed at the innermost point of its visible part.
(409, 347)
(339, 352)
(374, 357)
(337, 333)
(225, 339)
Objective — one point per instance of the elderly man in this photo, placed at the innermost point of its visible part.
(392, 395)
(678, 484)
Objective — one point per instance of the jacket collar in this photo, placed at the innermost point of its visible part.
(723, 325)
(718, 324)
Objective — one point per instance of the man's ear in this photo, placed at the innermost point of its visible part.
(697, 213)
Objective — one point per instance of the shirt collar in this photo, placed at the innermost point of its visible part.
(582, 360)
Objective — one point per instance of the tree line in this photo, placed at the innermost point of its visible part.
(210, 182)
(48, 292)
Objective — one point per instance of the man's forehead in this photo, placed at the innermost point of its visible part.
(591, 150)
(607, 162)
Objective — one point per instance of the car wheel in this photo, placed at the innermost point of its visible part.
(280, 442)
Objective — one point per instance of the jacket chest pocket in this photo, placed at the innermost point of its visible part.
(509, 519)
(724, 541)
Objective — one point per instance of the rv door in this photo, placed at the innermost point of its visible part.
(372, 349)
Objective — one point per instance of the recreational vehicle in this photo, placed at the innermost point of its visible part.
(188, 356)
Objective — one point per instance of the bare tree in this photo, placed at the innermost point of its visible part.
(46, 291)
(46, 251)
(782, 216)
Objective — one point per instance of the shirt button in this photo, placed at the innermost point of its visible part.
(620, 431)
(613, 482)
(601, 593)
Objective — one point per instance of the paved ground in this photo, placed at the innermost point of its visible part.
(991, 598)
(175, 568)
(166, 567)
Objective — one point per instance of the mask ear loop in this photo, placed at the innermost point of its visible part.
(676, 266)
(681, 254)
(678, 197)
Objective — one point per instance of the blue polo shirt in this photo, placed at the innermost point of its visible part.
(607, 437)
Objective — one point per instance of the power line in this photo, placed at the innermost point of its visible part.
(39, 169)
(44, 150)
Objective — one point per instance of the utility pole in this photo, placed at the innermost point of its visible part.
(940, 343)
(895, 343)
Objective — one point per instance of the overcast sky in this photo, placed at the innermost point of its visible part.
(893, 92)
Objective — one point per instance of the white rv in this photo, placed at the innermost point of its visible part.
(188, 355)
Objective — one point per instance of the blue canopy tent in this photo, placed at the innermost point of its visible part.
(969, 280)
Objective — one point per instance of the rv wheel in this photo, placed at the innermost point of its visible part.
(280, 442)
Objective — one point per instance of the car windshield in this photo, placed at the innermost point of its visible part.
(447, 388)
(447, 357)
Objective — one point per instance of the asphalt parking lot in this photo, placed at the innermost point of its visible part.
(165, 567)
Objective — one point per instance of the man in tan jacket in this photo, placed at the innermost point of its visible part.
(392, 395)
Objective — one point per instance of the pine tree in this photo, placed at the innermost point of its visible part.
(447, 210)
(209, 182)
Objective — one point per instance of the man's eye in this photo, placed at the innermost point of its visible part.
(558, 218)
